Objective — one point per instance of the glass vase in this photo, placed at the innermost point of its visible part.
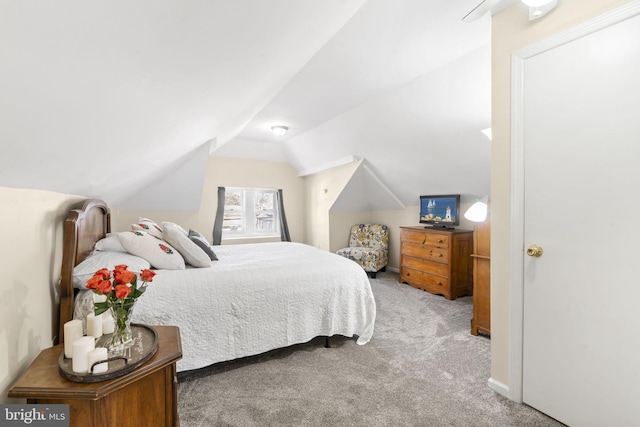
(122, 337)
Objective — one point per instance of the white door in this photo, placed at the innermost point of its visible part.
(581, 147)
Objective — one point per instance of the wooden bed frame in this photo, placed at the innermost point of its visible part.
(83, 227)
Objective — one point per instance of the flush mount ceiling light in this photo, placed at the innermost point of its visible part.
(538, 8)
(279, 130)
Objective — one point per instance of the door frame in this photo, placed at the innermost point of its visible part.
(516, 246)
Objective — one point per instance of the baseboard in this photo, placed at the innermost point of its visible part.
(499, 387)
(393, 269)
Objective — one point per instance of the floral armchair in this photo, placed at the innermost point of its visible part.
(369, 247)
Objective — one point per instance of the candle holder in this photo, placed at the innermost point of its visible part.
(144, 346)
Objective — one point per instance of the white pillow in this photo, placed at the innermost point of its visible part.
(174, 225)
(149, 226)
(109, 243)
(158, 252)
(105, 259)
(177, 237)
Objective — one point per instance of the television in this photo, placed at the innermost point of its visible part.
(441, 211)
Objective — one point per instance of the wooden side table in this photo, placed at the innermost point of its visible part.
(147, 396)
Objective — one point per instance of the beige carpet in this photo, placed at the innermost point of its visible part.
(422, 368)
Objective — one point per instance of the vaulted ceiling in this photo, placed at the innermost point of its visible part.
(103, 98)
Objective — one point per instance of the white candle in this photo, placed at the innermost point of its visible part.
(72, 331)
(97, 355)
(81, 348)
(94, 325)
(108, 324)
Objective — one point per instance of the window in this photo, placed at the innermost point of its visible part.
(250, 212)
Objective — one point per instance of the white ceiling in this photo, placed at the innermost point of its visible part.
(129, 90)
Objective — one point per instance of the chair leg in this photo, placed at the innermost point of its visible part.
(371, 274)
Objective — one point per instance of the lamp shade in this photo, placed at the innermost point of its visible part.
(478, 211)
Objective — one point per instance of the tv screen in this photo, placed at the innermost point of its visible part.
(440, 211)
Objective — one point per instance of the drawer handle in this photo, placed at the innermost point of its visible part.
(440, 255)
(440, 240)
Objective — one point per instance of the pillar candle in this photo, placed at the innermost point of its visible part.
(72, 331)
(108, 324)
(81, 348)
(94, 325)
(97, 355)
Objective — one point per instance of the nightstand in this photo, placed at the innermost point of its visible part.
(147, 396)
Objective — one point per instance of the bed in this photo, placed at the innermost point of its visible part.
(254, 298)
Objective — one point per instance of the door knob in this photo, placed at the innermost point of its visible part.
(534, 250)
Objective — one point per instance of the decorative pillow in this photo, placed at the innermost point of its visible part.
(158, 252)
(149, 226)
(105, 259)
(191, 252)
(110, 243)
(174, 225)
(202, 243)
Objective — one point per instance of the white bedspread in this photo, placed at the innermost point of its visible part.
(258, 297)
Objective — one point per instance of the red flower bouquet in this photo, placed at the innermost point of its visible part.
(121, 289)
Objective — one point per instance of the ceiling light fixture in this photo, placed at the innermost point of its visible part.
(538, 8)
(279, 130)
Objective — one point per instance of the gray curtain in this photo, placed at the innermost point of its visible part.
(284, 228)
(217, 225)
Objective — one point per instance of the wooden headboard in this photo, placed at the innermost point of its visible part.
(83, 227)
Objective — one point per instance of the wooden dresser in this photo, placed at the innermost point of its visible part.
(437, 260)
(481, 320)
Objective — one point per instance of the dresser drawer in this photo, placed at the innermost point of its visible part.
(426, 281)
(431, 253)
(439, 240)
(425, 265)
(412, 236)
(430, 239)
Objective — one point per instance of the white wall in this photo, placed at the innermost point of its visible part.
(321, 191)
(30, 258)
